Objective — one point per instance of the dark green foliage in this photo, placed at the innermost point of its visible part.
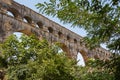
(3, 62)
(114, 65)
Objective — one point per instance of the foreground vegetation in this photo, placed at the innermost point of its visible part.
(28, 58)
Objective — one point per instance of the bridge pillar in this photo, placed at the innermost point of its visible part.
(3, 10)
(5, 30)
(4, 35)
(74, 54)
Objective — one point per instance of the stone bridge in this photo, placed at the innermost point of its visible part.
(27, 21)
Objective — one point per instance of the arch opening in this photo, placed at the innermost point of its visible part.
(58, 48)
(39, 25)
(75, 41)
(27, 19)
(62, 48)
(60, 34)
(80, 59)
(21, 37)
(10, 13)
(50, 30)
(68, 37)
(18, 34)
(26, 31)
(13, 12)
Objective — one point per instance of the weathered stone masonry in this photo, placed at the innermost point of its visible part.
(29, 22)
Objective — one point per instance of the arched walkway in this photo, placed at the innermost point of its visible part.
(13, 12)
(27, 19)
(10, 13)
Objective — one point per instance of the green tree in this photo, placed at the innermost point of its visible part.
(28, 58)
(97, 70)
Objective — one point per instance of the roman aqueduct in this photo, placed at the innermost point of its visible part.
(42, 27)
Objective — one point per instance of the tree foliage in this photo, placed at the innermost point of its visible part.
(100, 18)
(28, 58)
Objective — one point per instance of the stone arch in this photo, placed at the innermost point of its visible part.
(25, 31)
(10, 14)
(84, 54)
(18, 34)
(80, 59)
(39, 25)
(65, 49)
(12, 32)
(27, 19)
(60, 35)
(75, 41)
(14, 12)
(50, 30)
(68, 37)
